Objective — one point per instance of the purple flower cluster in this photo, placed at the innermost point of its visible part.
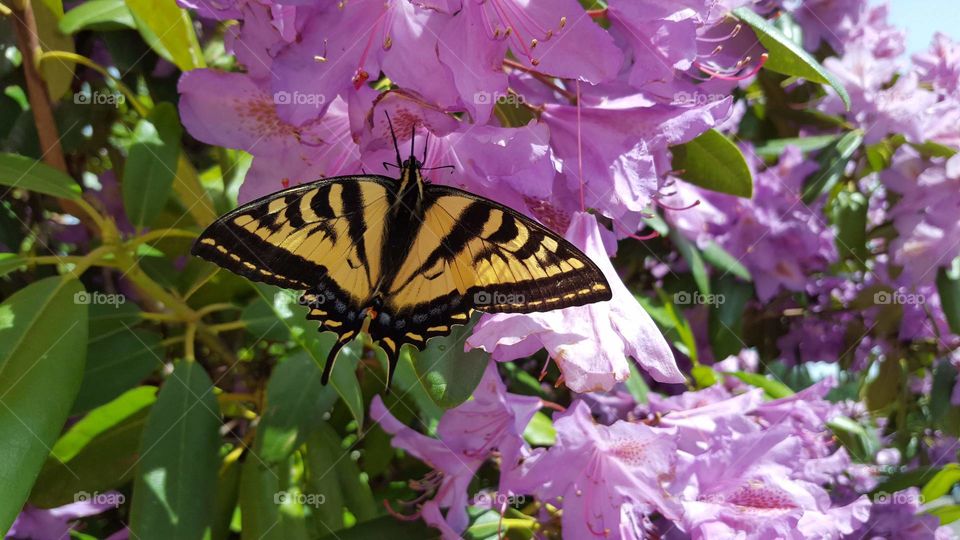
(705, 464)
(315, 81)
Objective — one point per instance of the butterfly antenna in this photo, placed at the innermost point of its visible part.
(426, 144)
(393, 134)
(413, 138)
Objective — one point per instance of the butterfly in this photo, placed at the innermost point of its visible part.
(401, 259)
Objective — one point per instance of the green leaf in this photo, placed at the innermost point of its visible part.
(58, 75)
(540, 431)
(704, 376)
(944, 414)
(228, 495)
(270, 507)
(169, 31)
(98, 15)
(884, 390)
(386, 527)
(774, 147)
(725, 322)
(292, 316)
(941, 483)
(98, 453)
(947, 513)
(849, 213)
(932, 149)
(117, 362)
(151, 165)
(332, 470)
(773, 388)
(636, 385)
(32, 175)
(854, 438)
(787, 56)
(713, 162)
(449, 374)
(176, 478)
(692, 255)
(296, 403)
(721, 259)
(10, 262)
(43, 335)
(833, 162)
(948, 287)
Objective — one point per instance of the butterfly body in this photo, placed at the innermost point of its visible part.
(400, 259)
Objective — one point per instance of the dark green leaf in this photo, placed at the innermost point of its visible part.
(117, 362)
(355, 492)
(292, 316)
(151, 165)
(692, 255)
(774, 147)
(322, 483)
(948, 287)
(386, 527)
(854, 438)
(833, 162)
(449, 374)
(713, 162)
(173, 491)
(787, 56)
(850, 216)
(26, 173)
(721, 259)
(97, 15)
(228, 496)
(944, 414)
(98, 453)
(773, 388)
(725, 322)
(43, 336)
(296, 403)
(884, 390)
(931, 149)
(941, 483)
(270, 507)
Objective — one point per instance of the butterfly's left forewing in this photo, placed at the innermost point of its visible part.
(324, 238)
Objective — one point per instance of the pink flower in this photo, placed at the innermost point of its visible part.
(605, 469)
(492, 421)
(589, 343)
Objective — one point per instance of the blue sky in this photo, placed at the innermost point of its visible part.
(922, 18)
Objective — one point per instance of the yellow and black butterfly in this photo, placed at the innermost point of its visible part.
(401, 259)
